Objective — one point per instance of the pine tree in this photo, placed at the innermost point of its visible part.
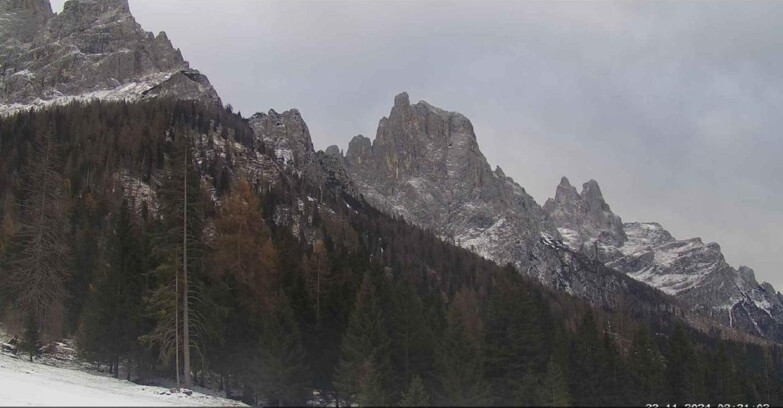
(528, 390)
(365, 346)
(460, 367)
(586, 357)
(646, 367)
(371, 391)
(725, 384)
(416, 395)
(613, 373)
(554, 387)
(114, 316)
(681, 370)
(282, 374)
(178, 246)
(513, 337)
(412, 346)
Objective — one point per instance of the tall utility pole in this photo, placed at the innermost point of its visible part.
(185, 318)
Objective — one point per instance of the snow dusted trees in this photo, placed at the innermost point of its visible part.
(37, 269)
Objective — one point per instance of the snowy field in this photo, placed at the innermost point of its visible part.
(28, 384)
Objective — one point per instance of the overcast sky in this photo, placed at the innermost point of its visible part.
(675, 108)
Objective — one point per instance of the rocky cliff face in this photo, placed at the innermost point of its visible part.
(425, 165)
(287, 137)
(585, 221)
(694, 272)
(93, 49)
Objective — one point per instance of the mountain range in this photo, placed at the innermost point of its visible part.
(423, 165)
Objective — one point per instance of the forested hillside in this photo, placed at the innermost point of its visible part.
(116, 218)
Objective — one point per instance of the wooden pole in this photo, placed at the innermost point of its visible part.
(185, 317)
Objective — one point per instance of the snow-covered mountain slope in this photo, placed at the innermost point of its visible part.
(26, 383)
(91, 50)
(695, 272)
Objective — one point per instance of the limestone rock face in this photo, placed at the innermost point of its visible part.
(585, 221)
(287, 136)
(92, 49)
(425, 165)
(691, 270)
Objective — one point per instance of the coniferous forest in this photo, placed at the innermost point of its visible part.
(196, 278)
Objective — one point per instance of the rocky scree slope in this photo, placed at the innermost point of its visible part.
(93, 49)
(690, 270)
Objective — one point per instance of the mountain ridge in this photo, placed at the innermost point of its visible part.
(688, 269)
(90, 50)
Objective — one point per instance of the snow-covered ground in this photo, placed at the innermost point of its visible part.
(23, 383)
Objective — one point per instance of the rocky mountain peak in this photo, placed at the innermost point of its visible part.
(585, 219)
(93, 49)
(425, 165)
(594, 201)
(286, 134)
(691, 269)
(566, 194)
(402, 100)
(334, 151)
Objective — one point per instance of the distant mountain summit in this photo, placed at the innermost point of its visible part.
(93, 49)
(425, 165)
(695, 272)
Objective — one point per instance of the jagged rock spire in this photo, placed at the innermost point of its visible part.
(426, 165)
(585, 218)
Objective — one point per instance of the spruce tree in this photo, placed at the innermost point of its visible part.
(513, 336)
(646, 367)
(114, 316)
(416, 395)
(460, 368)
(529, 389)
(283, 377)
(371, 391)
(412, 339)
(554, 387)
(178, 246)
(586, 359)
(364, 350)
(681, 370)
